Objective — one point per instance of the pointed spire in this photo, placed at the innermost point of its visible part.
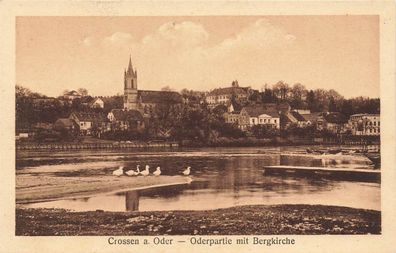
(130, 68)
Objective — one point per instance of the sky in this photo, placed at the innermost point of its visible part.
(200, 53)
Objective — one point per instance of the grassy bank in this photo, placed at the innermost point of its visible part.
(247, 220)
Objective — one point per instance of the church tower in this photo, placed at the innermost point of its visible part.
(130, 88)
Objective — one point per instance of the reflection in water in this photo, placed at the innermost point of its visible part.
(132, 201)
(224, 180)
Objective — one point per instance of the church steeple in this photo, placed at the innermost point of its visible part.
(130, 87)
(130, 67)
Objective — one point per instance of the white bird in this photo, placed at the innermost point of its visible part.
(131, 173)
(137, 170)
(146, 171)
(187, 171)
(157, 172)
(119, 171)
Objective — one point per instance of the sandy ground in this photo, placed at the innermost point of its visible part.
(34, 188)
(246, 220)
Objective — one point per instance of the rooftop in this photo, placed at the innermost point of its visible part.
(158, 97)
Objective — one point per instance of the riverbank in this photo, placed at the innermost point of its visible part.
(90, 143)
(246, 220)
(45, 187)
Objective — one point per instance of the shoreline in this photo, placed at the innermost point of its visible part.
(237, 143)
(239, 220)
(33, 189)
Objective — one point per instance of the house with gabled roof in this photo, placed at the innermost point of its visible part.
(293, 117)
(232, 115)
(259, 115)
(97, 103)
(126, 119)
(90, 123)
(334, 122)
(66, 124)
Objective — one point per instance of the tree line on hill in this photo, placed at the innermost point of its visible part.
(193, 120)
(317, 100)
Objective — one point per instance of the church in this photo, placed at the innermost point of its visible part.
(138, 104)
(144, 100)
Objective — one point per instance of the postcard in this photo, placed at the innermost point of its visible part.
(201, 126)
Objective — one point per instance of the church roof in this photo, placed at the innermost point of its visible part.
(159, 97)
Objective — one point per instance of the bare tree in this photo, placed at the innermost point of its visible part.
(83, 92)
(281, 90)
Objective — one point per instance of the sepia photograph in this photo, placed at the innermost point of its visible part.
(197, 125)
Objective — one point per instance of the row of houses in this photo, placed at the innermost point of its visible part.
(281, 117)
(234, 102)
(97, 123)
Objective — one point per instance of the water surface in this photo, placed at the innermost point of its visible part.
(221, 178)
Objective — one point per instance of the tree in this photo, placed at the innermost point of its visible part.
(311, 101)
(83, 92)
(347, 108)
(267, 95)
(281, 90)
(254, 97)
(298, 91)
(332, 105)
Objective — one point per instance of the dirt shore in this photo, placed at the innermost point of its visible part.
(247, 220)
(44, 187)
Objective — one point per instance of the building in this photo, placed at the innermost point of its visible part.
(145, 100)
(148, 100)
(311, 117)
(66, 124)
(293, 118)
(333, 122)
(126, 119)
(97, 103)
(232, 115)
(224, 95)
(90, 123)
(259, 115)
(365, 124)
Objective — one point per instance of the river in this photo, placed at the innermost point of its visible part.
(222, 177)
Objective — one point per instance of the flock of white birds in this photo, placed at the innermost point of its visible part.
(145, 172)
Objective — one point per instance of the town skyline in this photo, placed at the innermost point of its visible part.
(253, 50)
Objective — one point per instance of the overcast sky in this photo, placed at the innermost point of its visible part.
(200, 53)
